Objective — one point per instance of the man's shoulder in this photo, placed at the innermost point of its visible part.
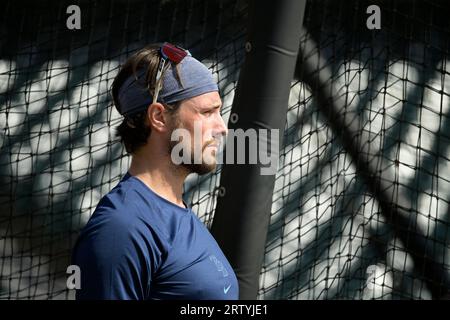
(115, 210)
(126, 209)
(116, 203)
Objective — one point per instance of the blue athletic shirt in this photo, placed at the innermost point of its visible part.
(138, 245)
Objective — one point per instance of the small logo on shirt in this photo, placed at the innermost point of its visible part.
(219, 265)
(221, 268)
(225, 290)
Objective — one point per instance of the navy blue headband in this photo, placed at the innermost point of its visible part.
(196, 79)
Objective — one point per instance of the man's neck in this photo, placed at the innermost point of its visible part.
(160, 175)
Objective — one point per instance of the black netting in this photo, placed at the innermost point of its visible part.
(330, 236)
(385, 120)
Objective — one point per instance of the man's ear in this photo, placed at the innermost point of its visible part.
(157, 117)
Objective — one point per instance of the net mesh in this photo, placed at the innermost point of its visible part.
(328, 237)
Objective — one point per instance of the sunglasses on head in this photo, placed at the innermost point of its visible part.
(172, 53)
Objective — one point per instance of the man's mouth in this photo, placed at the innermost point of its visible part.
(212, 144)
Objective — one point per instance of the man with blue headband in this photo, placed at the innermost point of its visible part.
(143, 242)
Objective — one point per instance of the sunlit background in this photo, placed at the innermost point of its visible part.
(328, 237)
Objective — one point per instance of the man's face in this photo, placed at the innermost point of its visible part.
(200, 117)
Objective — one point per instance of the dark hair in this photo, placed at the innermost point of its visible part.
(133, 130)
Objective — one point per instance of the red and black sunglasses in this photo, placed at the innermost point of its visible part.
(172, 53)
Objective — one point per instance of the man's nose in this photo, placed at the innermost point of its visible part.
(222, 126)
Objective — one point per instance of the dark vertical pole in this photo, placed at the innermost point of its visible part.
(243, 211)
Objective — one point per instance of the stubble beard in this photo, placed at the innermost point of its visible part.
(193, 167)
